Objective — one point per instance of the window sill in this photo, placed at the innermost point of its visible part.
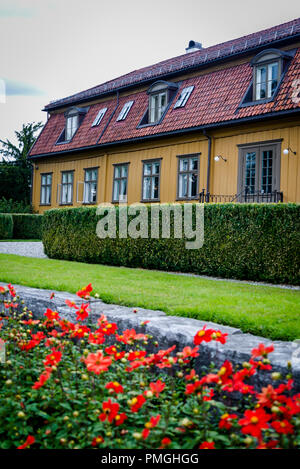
(44, 205)
(66, 205)
(89, 203)
(182, 199)
(146, 201)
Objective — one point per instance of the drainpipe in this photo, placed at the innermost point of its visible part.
(208, 161)
(109, 120)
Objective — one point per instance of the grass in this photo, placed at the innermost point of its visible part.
(19, 240)
(262, 310)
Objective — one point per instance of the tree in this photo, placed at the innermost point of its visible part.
(15, 169)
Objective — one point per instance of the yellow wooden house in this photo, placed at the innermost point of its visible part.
(216, 124)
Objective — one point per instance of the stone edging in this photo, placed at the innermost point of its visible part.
(170, 330)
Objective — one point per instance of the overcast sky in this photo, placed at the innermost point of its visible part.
(54, 48)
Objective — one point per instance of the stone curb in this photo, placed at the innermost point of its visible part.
(170, 330)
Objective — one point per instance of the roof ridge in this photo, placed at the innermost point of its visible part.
(187, 60)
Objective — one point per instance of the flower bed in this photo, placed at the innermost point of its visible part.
(79, 385)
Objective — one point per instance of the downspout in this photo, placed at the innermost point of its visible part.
(208, 162)
(110, 118)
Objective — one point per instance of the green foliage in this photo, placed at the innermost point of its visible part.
(27, 226)
(6, 226)
(245, 241)
(13, 206)
(15, 169)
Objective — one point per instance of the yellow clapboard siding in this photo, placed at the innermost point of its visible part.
(223, 175)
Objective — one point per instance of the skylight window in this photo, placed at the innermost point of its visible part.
(125, 110)
(99, 117)
(184, 96)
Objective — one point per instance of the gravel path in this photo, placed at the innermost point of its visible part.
(35, 249)
(28, 249)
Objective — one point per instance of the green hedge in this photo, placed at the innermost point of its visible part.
(243, 241)
(6, 226)
(14, 206)
(27, 226)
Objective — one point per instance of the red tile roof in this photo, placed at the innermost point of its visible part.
(215, 99)
(186, 61)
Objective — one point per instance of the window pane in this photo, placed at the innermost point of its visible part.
(183, 185)
(147, 188)
(87, 175)
(123, 190)
(193, 186)
(267, 163)
(155, 183)
(49, 178)
(124, 171)
(93, 191)
(116, 189)
(147, 169)
(250, 168)
(117, 171)
(184, 165)
(193, 164)
(155, 168)
(48, 195)
(94, 174)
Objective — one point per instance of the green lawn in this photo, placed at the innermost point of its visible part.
(19, 240)
(262, 310)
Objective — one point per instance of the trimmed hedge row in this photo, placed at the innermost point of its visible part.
(6, 226)
(243, 241)
(21, 226)
(27, 226)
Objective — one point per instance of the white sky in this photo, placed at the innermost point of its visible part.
(53, 48)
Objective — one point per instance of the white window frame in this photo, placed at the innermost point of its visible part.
(184, 96)
(46, 189)
(99, 117)
(71, 126)
(69, 186)
(125, 110)
(156, 109)
(87, 187)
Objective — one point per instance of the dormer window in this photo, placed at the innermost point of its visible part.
(71, 125)
(161, 94)
(157, 106)
(74, 116)
(125, 110)
(268, 68)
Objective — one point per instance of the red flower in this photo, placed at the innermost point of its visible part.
(157, 387)
(283, 426)
(203, 335)
(136, 355)
(97, 362)
(42, 379)
(96, 338)
(137, 402)
(80, 330)
(129, 336)
(254, 421)
(165, 442)
(110, 411)
(188, 352)
(53, 358)
(85, 291)
(83, 312)
(119, 419)
(267, 397)
(52, 296)
(2, 290)
(97, 440)
(115, 387)
(108, 328)
(29, 441)
(51, 315)
(262, 351)
(207, 445)
(225, 421)
(12, 291)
